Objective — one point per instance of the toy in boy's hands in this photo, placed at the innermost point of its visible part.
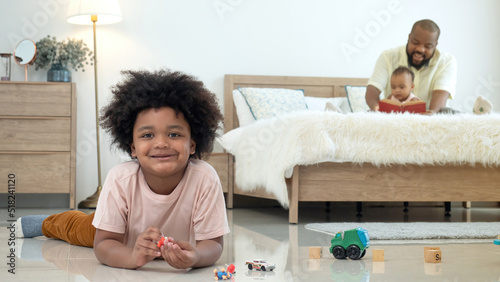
(179, 254)
(161, 242)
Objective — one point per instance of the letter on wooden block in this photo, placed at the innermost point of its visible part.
(432, 256)
(431, 248)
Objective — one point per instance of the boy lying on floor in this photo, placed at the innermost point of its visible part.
(167, 122)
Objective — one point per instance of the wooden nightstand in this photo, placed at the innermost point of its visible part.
(38, 137)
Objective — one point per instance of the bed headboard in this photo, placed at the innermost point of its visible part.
(312, 86)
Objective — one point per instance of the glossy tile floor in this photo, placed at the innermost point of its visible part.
(265, 233)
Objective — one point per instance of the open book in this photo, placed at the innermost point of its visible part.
(386, 105)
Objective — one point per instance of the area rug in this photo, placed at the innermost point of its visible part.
(417, 232)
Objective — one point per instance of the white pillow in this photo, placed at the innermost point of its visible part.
(243, 112)
(271, 102)
(319, 103)
(356, 98)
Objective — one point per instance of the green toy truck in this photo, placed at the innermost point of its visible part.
(351, 243)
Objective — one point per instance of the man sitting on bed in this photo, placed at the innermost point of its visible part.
(435, 71)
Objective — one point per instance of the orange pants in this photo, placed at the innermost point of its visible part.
(74, 227)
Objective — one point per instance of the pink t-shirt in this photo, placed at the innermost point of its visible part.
(195, 210)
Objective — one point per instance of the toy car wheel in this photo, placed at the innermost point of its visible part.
(353, 252)
(339, 252)
(363, 254)
(263, 268)
(250, 267)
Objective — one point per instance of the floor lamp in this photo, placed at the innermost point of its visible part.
(93, 12)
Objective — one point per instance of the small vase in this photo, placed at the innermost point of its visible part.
(58, 73)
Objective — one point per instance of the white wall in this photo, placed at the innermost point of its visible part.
(210, 38)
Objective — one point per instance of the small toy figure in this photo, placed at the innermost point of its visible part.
(351, 243)
(260, 264)
(222, 274)
(161, 242)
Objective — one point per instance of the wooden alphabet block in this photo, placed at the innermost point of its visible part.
(315, 252)
(431, 248)
(378, 255)
(432, 256)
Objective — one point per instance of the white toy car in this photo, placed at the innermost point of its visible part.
(260, 264)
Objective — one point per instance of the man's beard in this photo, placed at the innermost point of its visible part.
(423, 63)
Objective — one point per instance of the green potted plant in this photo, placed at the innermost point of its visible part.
(57, 56)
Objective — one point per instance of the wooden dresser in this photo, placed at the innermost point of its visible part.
(38, 137)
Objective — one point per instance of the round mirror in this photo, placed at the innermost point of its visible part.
(25, 55)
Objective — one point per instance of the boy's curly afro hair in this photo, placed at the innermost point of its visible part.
(143, 90)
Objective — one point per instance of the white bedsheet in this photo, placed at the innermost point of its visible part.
(266, 151)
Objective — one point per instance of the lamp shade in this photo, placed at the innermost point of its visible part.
(107, 11)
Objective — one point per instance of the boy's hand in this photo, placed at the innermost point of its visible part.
(145, 249)
(179, 254)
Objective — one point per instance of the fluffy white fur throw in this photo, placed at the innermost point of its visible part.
(267, 150)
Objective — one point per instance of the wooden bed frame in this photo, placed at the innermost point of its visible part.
(348, 182)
